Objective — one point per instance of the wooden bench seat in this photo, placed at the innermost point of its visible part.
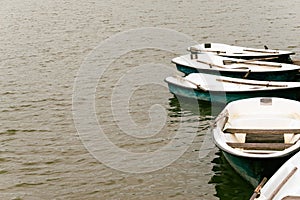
(260, 146)
(264, 138)
(262, 131)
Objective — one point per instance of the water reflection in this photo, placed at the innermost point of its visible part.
(204, 109)
(229, 185)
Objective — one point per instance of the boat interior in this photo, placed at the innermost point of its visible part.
(259, 138)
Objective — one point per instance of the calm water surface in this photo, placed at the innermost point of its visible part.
(42, 46)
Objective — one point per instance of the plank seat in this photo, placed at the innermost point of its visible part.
(262, 131)
(264, 138)
(260, 146)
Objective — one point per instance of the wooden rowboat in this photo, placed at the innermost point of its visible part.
(284, 184)
(258, 135)
(243, 52)
(209, 63)
(222, 89)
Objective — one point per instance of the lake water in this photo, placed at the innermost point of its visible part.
(85, 113)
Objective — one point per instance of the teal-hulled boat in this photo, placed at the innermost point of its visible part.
(209, 63)
(257, 135)
(222, 89)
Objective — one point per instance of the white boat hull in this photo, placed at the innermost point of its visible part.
(275, 125)
(213, 64)
(222, 89)
(284, 184)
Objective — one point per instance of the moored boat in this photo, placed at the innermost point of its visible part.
(209, 63)
(243, 52)
(284, 184)
(257, 135)
(222, 89)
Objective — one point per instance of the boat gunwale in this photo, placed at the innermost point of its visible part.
(255, 51)
(263, 88)
(221, 142)
(238, 70)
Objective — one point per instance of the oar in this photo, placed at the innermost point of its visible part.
(229, 62)
(264, 59)
(260, 51)
(247, 83)
(283, 182)
(258, 188)
(197, 85)
(220, 66)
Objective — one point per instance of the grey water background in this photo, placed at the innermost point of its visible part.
(42, 46)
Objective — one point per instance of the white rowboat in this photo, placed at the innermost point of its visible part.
(223, 89)
(209, 63)
(284, 184)
(258, 135)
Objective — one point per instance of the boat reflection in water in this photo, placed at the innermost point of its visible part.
(202, 108)
(228, 183)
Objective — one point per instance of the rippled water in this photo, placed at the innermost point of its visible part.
(42, 46)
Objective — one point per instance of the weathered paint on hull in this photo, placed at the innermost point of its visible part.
(255, 169)
(226, 97)
(264, 76)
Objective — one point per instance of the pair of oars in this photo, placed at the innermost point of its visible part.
(232, 81)
(249, 83)
(194, 49)
(250, 62)
(219, 66)
(230, 62)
